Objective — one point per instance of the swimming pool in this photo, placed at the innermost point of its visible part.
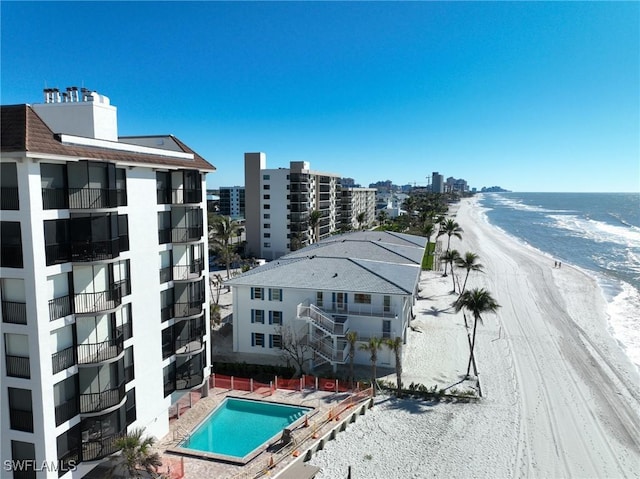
(237, 428)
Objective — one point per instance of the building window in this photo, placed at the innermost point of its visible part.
(361, 298)
(266, 245)
(257, 316)
(266, 177)
(130, 406)
(267, 235)
(275, 341)
(257, 293)
(266, 216)
(266, 197)
(387, 304)
(266, 207)
(319, 299)
(266, 187)
(20, 410)
(167, 342)
(11, 244)
(275, 294)
(24, 453)
(275, 317)
(257, 339)
(267, 226)
(8, 187)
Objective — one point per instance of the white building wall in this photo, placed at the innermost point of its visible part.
(366, 326)
(275, 245)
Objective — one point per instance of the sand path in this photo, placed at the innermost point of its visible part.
(560, 398)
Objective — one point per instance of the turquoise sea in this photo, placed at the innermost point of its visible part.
(597, 232)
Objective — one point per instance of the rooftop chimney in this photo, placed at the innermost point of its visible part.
(79, 112)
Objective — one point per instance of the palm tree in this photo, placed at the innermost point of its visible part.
(314, 219)
(396, 346)
(136, 454)
(468, 262)
(450, 228)
(477, 301)
(351, 338)
(428, 229)
(224, 229)
(360, 219)
(382, 217)
(373, 346)
(448, 258)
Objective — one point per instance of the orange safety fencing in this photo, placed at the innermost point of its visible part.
(298, 384)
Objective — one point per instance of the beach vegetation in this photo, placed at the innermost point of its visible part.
(136, 455)
(450, 228)
(396, 346)
(477, 301)
(295, 348)
(428, 229)
(314, 221)
(372, 347)
(470, 263)
(448, 258)
(351, 337)
(222, 230)
(360, 217)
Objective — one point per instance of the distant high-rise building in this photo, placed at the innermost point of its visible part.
(279, 204)
(437, 182)
(354, 202)
(456, 185)
(232, 201)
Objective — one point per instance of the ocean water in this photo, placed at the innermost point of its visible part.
(597, 232)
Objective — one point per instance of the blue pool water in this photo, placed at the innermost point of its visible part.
(238, 426)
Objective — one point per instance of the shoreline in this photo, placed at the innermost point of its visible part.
(616, 323)
(561, 399)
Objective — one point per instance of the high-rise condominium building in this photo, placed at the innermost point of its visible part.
(358, 207)
(103, 284)
(288, 208)
(232, 201)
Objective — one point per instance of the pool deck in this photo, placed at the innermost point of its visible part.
(194, 467)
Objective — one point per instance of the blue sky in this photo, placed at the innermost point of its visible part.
(534, 96)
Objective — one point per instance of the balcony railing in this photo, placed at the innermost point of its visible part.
(9, 198)
(94, 449)
(335, 326)
(189, 271)
(63, 359)
(18, 366)
(189, 345)
(183, 310)
(185, 195)
(66, 410)
(95, 402)
(189, 380)
(21, 420)
(102, 300)
(184, 235)
(57, 253)
(95, 250)
(92, 198)
(69, 460)
(60, 307)
(164, 236)
(55, 199)
(14, 312)
(89, 353)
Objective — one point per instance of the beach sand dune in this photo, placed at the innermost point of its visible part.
(560, 397)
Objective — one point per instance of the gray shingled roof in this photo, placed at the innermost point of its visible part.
(369, 262)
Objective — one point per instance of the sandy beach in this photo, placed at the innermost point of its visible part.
(560, 397)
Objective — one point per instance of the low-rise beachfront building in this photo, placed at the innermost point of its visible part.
(363, 281)
(102, 283)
